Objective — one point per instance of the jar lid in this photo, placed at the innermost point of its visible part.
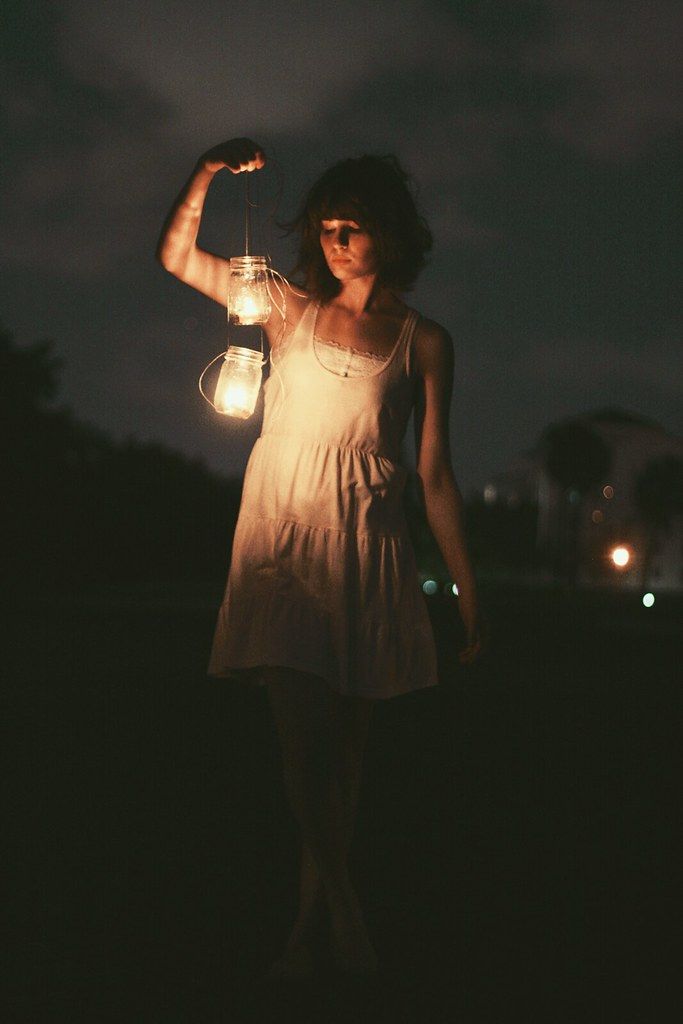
(248, 354)
(248, 262)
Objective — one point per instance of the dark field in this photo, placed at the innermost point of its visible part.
(511, 848)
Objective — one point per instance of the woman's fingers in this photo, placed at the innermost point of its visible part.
(250, 157)
(468, 654)
(247, 165)
(237, 155)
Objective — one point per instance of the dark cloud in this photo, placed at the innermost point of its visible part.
(80, 161)
(499, 26)
(265, 65)
(624, 64)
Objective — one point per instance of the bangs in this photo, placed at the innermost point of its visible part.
(338, 203)
(343, 211)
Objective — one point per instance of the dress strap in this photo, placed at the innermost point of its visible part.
(299, 336)
(409, 329)
(307, 321)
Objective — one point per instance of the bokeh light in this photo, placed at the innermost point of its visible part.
(608, 491)
(621, 556)
(648, 600)
(430, 587)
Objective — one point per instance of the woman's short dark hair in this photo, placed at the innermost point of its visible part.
(376, 192)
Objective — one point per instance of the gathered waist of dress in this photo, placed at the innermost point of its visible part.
(320, 485)
(301, 440)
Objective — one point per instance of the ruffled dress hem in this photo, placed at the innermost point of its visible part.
(250, 675)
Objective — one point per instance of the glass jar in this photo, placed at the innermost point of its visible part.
(239, 382)
(248, 298)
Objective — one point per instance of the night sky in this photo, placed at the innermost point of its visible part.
(541, 135)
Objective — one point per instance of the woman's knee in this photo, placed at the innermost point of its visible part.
(351, 727)
(301, 711)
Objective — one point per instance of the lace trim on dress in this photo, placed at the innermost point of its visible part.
(350, 350)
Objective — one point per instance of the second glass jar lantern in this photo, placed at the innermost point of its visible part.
(239, 382)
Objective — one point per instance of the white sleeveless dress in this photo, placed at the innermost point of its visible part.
(323, 576)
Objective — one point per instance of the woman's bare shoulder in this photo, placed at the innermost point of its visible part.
(433, 346)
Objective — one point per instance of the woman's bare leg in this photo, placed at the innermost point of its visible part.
(351, 947)
(350, 722)
(322, 736)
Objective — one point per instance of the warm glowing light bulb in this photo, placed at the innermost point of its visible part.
(245, 307)
(234, 401)
(621, 556)
(648, 600)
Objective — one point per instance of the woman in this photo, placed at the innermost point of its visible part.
(323, 603)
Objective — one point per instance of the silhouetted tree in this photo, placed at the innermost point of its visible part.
(28, 377)
(81, 507)
(503, 536)
(39, 450)
(658, 495)
(577, 459)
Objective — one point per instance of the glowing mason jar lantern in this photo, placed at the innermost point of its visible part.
(239, 382)
(248, 298)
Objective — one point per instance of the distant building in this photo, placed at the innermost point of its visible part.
(626, 528)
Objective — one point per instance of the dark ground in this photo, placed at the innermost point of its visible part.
(511, 847)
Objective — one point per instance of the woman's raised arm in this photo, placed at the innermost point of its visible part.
(177, 250)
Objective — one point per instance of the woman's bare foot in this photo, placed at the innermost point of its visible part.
(298, 959)
(352, 950)
(295, 964)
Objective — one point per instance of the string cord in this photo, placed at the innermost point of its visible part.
(247, 210)
(208, 366)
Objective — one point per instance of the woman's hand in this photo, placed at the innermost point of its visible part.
(476, 632)
(237, 155)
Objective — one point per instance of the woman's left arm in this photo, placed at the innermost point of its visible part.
(443, 500)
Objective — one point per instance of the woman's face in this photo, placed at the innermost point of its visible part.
(348, 249)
